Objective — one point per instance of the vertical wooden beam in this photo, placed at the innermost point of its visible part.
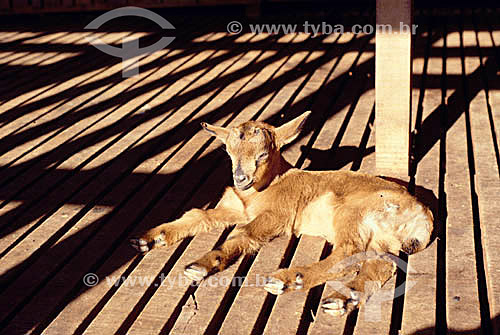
(393, 86)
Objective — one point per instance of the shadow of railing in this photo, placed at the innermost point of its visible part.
(136, 200)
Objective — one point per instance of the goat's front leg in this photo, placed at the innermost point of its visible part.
(243, 240)
(228, 212)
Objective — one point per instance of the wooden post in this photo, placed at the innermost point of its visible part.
(393, 87)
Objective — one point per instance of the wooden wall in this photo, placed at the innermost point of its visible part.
(44, 6)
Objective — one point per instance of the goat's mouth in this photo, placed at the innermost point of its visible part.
(243, 187)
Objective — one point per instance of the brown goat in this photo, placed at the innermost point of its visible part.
(353, 211)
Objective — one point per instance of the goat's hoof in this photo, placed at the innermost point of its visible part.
(340, 306)
(146, 243)
(277, 286)
(140, 245)
(195, 272)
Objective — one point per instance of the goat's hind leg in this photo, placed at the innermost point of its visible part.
(303, 278)
(333, 267)
(373, 275)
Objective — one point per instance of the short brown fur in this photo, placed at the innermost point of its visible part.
(355, 212)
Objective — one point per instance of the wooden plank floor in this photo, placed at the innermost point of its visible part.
(88, 159)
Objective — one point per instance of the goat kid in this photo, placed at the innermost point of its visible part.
(353, 211)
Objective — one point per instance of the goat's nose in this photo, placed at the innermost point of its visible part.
(240, 178)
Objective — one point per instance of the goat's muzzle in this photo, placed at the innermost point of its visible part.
(242, 181)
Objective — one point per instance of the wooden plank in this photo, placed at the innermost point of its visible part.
(113, 314)
(41, 58)
(23, 36)
(79, 128)
(495, 94)
(20, 65)
(80, 309)
(462, 301)
(153, 121)
(326, 152)
(393, 87)
(287, 311)
(240, 317)
(6, 56)
(51, 152)
(115, 116)
(375, 316)
(12, 121)
(6, 35)
(99, 240)
(12, 56)
(82, 228)
(104, 179)
(482, 109)
(20, 105)
(79, 312)
(33, 58)
(17, 35)
(419, 311)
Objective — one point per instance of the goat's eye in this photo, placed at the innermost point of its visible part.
(263, 156)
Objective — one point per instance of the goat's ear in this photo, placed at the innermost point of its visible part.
(290, 130)
(220, 132)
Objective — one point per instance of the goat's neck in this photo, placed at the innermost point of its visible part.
(282, 167)
(278, 168)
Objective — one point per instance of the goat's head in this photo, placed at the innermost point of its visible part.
(254, 148)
